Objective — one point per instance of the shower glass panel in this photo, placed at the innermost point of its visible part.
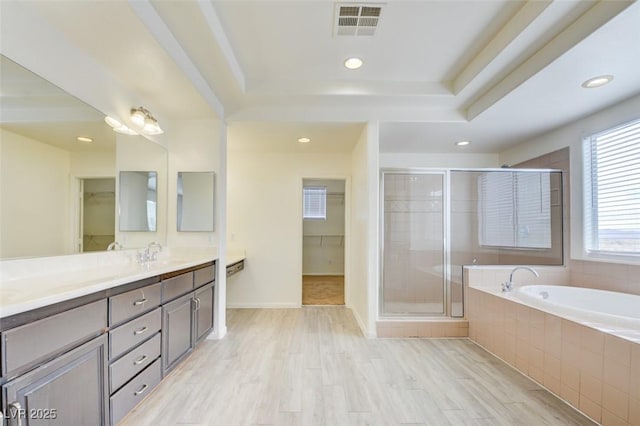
(413, 264)
(505, 217)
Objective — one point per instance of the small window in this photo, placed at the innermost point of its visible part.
(612, 191)
(315, 202)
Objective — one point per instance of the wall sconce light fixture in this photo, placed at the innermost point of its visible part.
(119, 127)
(146, 121)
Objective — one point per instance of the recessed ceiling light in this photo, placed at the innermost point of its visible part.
(84, 139)
(353, 63)
(462, 143)
(304, 140)
(598, 81)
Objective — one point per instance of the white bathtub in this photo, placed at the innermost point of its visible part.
(584, 304)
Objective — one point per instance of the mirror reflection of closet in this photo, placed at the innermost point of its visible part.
(196, 193)
(138, 201)
(98, 216)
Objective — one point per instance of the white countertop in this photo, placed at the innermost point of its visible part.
(234, 258)
(27, 284)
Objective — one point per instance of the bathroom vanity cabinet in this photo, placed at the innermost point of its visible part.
(189, 316)
(55, 368)
(90, 360)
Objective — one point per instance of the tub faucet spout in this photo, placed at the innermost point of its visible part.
(508, 286)
(114, 246)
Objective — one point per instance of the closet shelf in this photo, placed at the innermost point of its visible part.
(324, 240)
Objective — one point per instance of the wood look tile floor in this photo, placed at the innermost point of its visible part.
(312, 366)
(323, 289)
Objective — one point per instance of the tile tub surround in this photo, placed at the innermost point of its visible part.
(32, 283)
(605, 276)
(595, 372)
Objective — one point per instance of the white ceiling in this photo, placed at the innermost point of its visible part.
(495, 72)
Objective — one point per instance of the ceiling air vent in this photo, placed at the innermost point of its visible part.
(357, 19)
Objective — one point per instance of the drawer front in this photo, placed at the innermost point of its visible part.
(133, 332)
(36, 341)
(133, 392)
(177, 286)
(204, 276)
(133, 303)
(134, 362)
(235, 268)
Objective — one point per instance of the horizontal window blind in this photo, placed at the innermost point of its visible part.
(496, 213)
(514, 210)
(314, 202)
(612, 186)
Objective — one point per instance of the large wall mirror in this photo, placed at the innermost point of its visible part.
(196, 200)
(58, 193)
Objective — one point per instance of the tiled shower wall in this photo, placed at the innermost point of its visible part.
(413, 256)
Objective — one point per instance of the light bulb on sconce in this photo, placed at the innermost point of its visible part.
(151, 126)
(143, 118)
(138, 116)
(119, 127)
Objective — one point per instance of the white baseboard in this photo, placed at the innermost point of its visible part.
(217, 334)
(263, 305)
(364, 330)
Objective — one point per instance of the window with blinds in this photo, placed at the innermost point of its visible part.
(314, 202)
(514, 210)
(612, 191)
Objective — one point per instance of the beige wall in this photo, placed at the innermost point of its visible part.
(364, 248)
(34, 192)
(194, 146)
(437, 160)
(265, 219)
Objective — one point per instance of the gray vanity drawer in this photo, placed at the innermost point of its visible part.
(133, 392)
(132, 303)
(177, 286)
(135, 331)
(32, 342)
(204, 276)
(134, 362)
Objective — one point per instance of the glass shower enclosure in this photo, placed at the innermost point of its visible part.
(434, 222)
(414, 279)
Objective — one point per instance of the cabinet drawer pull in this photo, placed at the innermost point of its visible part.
(140, 360)
(142, 389)
(140, 302)
(140, 330)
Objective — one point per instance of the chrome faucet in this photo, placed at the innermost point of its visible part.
(114, 246)
(508, 286)
(148, 254)
(153, 255)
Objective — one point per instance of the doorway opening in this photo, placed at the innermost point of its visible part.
(323, 242)
(97, 224)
